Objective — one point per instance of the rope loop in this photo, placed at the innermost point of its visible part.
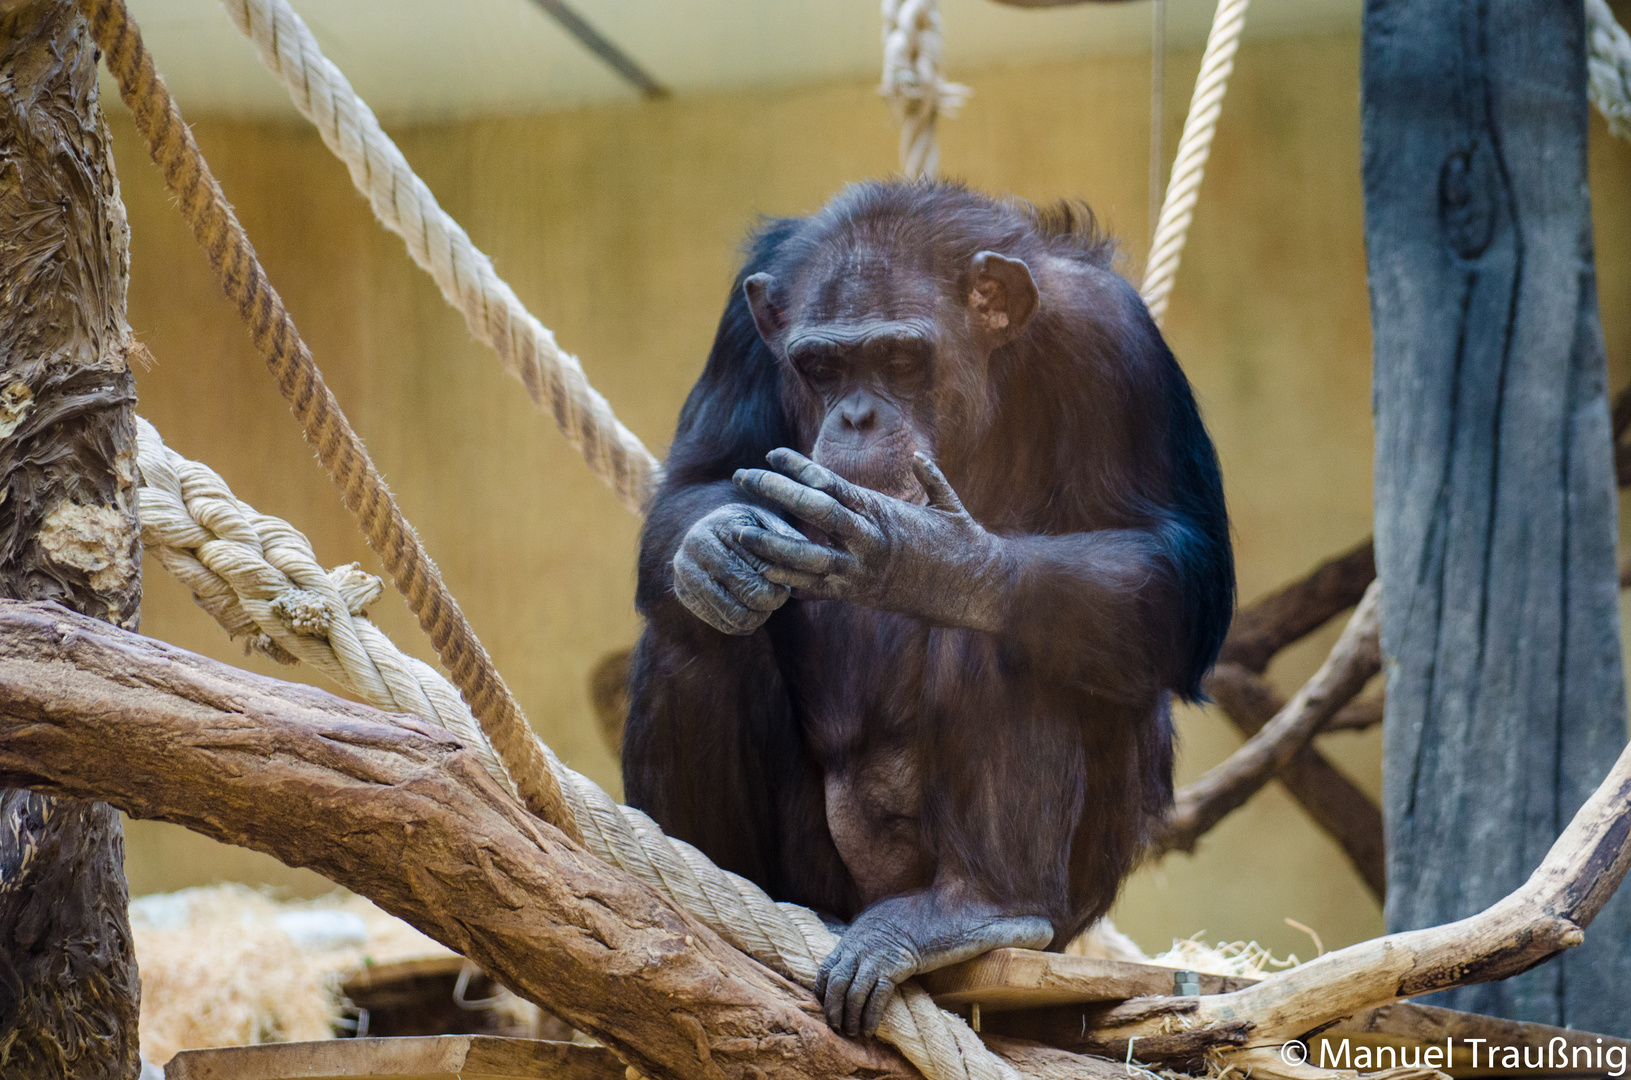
(913, 33)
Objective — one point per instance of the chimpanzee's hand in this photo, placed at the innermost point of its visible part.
(934, 561)
(897, 938)
(722, 582)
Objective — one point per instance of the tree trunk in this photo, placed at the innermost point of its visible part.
(68, 530)
(1495, 495)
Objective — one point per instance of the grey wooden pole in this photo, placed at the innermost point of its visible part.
(68, 531)
(1496, 507)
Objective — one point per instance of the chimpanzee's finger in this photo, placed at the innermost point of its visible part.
(708, 601)
(792, 552)
(872, 1016)
(744, 582)
(935, 485)
(837, 993)
(860, 993)
(808, 473)
(804, 586)
(806, 503)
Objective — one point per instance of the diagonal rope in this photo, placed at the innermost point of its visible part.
(403, 204)
(1194, 146)
(258, 577)
(344, 457)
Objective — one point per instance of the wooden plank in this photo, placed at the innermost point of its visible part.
(1004, 980)
(371, 976)
(442, 1057)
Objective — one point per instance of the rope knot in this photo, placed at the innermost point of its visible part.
(357, 587)
(302, 611)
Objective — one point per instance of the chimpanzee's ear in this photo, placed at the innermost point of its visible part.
(1002, 298)
(767, 314)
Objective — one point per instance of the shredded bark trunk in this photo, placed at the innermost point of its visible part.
(68, 531)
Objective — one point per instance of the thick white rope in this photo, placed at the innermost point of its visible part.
(257, 576)
(554, 379)
(917, 92)
(1194, 146)
(1608, 67)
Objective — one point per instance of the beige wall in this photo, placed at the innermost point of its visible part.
(618, 227)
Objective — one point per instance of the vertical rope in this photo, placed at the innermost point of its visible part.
(344, 457)
(1158, 110)
(1172, 227)
(917, 92)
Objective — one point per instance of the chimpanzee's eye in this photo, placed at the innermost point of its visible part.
(904, 363)
(823, 372)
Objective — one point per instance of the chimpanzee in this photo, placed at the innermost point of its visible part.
(917, 673)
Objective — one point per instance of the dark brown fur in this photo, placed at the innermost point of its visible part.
(841, 754)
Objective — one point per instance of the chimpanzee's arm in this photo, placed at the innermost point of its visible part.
(1102, 608)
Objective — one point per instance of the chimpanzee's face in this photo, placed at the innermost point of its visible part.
(882, 351)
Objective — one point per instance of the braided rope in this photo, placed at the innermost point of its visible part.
(919, 95)
(257, 576)
(342, 453)
(1608, 66)
(403, 204)
(1195, 145)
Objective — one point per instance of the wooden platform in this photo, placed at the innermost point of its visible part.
(1052, 999)
(439, 1057)
(1042, 996)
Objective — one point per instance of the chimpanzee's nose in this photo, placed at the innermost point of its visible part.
(859, 416)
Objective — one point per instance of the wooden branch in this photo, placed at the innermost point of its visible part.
(1546, 915)
(1335, 802)
(1353, 661)
(1357, 715)
(1298, 609)
(400, 813)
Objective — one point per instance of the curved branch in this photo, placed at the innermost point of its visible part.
(1354, 659)
(399, 812)
(1547, 914)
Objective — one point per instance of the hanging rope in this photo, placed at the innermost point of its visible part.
(917, 92)
(1608, 67)
(257, 576)
(1188, 167)
(554, 379)
(342, 453)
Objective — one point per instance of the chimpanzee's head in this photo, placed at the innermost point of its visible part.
(885, 321)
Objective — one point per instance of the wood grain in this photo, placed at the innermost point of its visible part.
(68, 532)
(440, 1057)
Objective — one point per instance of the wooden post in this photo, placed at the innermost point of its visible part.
(68, 530)
(1495, 496)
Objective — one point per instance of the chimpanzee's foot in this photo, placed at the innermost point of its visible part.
(897, 938)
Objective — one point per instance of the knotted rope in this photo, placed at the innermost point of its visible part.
(257, 576)
(912, 82)
(342, 453)
(554, 379)
(1194, 146)
(1608, 66)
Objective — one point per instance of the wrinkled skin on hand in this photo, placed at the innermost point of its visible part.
(902, 936)
(722, 582)
(934, 562)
